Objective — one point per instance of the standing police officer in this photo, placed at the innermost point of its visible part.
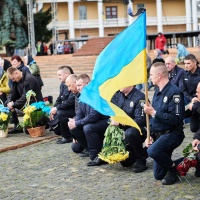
(131, 101)
(167, 111)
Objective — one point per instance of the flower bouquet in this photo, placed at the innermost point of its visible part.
(5, 115)
(113, 150)
(188, 161)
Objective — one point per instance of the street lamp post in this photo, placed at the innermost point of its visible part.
(31, 29)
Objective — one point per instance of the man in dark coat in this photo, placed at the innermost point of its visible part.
(22, 83)
(175, 72)
(64, 107)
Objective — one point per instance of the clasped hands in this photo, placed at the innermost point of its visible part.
(195, 99)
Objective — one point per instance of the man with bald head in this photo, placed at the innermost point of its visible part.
(64, 106)
(71, 83)
(167, 112)
(175, 72)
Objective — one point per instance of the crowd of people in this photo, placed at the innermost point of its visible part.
(80, 124)
(61, 48)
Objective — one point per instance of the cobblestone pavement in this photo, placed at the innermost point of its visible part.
(50, 171)
(47, 170)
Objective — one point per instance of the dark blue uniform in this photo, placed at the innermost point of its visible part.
(190, 83)
(65, 105)
(196, 109)
(132, 105)
(166, 127)
(90, 129)
(176, 76)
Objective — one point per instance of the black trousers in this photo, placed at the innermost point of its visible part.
(63, 116)
(78, 134)
(3, 97)
(134, 144)
(94, 134)
(77, 147)
(195, 121)
(14, 118)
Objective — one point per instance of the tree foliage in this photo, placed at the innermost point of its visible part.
(14, 26)
(12, 23)
(41, 20)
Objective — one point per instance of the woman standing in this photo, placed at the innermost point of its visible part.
(34, 69)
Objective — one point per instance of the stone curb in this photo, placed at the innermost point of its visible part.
(26, 144)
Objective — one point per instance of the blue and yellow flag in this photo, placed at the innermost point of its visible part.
(121, 64)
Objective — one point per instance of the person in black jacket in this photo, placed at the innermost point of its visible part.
(64, 107)
(88, 127)
(71, 84)
(5, 64)
(17, 62)
(175, 72)
(194, 106)
(22, 83)
(190, 82)
(131, 101)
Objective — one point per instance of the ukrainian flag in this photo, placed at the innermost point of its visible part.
(122, 63)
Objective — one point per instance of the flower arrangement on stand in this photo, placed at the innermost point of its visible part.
(5, 115)
(113, 150)
(188, 161)
(36, 116)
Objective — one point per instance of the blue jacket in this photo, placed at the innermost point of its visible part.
(176, 76)
(132, 105)
(87, 115)
(181, 51)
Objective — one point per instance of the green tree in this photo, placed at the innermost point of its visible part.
(14, 26)
(12, 23)
(41, 20)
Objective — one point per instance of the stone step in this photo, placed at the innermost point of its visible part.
(84, 64)
(93, 46)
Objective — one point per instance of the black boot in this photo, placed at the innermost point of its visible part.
(17, 129)
(140, 166)
(171, 176)
(197, 172)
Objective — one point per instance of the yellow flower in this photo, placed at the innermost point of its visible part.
(3, 116)
(26, 117)
(114, 158)
(29, 109)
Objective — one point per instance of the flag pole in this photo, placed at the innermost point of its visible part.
(147, 116)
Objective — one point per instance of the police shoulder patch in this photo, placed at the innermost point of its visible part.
(176, 98)
(142, 102)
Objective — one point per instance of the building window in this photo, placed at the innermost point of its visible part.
(111, 12)
(140, 5)
(82, 12)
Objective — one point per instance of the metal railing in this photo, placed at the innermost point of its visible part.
(118, 22)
